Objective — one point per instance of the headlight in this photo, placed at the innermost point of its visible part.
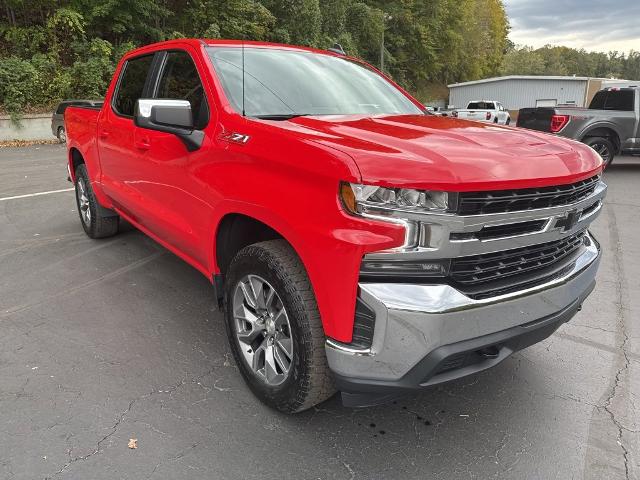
(371, 199)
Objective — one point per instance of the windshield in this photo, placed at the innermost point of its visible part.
(284, 83)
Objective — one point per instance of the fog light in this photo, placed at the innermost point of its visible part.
(399, 269)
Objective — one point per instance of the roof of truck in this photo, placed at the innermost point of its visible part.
(233, 43)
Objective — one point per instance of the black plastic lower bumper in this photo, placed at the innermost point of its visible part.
(450, 362)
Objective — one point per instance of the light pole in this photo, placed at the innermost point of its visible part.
(385, 18)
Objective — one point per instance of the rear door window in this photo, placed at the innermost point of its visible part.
(179, 80)
(131, 86)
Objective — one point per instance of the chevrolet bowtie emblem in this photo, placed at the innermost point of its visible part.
(569, 221)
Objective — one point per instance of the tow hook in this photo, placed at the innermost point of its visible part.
(489, 352)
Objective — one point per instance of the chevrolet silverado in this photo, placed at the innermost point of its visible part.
(354, 241)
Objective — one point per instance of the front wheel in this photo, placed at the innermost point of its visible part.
(274, 328)
(604, 147)
(62, 135)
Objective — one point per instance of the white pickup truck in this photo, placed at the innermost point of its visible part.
(485, 111)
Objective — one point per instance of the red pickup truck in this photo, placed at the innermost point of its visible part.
(354, 241)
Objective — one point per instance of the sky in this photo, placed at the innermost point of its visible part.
(595, 25)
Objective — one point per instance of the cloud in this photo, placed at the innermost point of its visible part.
(598, 25)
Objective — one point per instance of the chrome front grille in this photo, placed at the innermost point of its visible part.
(502, 201)
(499, 252)
(493, 274)
(502, 231)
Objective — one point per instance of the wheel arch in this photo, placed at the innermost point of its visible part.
(236, 231)
(75, 159)
(606, 131)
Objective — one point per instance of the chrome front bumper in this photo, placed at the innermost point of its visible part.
(413, 321)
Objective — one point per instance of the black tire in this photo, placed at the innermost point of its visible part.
(508, 122)
(309, 381)
(496, 121)
(62, 135)
(96, 224)
(605, 148)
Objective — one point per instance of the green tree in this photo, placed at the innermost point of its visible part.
(523, 61)
(300, 19)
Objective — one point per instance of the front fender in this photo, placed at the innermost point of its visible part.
(331, 252)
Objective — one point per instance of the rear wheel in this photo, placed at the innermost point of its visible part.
(274, 328)
(62, 135)
(604, 147)
(94, 222)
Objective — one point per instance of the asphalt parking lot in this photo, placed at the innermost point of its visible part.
(105, 341)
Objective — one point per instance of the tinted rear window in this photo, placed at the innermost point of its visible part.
(613, 100)
(131, 86)
(481, 106)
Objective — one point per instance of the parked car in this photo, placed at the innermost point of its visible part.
(57, 119)
(485, 111)
(353, 242)
(611, 124)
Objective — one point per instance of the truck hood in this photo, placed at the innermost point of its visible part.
(430, 152)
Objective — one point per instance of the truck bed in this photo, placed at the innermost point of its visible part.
(81, 123)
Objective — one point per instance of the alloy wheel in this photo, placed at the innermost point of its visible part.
(83, 202)
(262, 329)
(602, 150)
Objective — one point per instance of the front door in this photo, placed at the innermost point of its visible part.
(178, 201)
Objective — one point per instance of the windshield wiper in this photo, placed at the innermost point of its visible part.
(281, 116)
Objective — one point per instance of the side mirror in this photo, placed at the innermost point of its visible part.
(170, 116)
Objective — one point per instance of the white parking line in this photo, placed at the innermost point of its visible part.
(36, 194)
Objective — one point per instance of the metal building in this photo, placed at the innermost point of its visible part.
(516, 92)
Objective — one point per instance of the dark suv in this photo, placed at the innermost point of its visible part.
(57, 120)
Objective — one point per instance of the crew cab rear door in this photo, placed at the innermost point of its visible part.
(116, 132)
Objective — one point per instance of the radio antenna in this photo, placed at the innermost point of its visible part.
(243, 104)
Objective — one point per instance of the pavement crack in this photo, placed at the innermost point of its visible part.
(622, 328)
(98, 447)
(352, 473)
(591, 327)
(501, 446)
(120, 418)
(173, 458)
